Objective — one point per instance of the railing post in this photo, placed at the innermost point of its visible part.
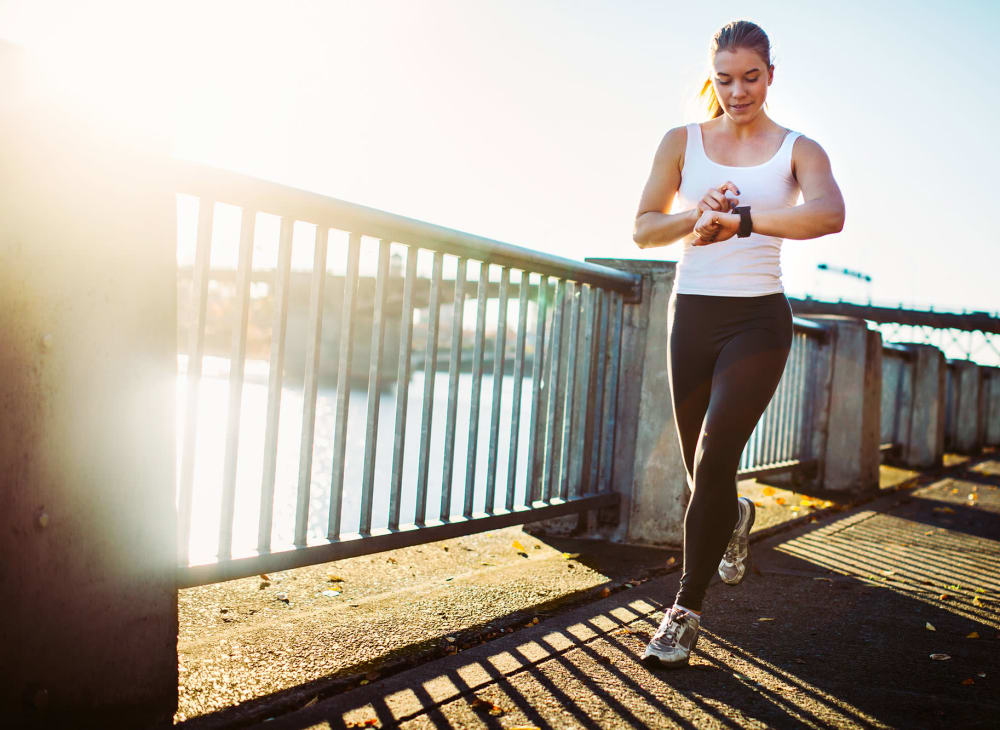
(925, 446)
(87, 518)
(648, 468)
(966, 409)
(850, 458)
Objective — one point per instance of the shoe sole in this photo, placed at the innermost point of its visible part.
(746, 560)
(655, 662)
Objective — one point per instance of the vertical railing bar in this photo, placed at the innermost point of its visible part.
(611, 396)
(553, 389)
(374, 388)
(477, 382)
(796, 447)
(343, 386)
(579, 458)
(566, 445)
(236, 365)
(430, 367)
(310, 383)
(786, 376)
(499, 353)
(196, 351)
(515, 405)
(600, 355)
(537, 363)
(402, 388)
(282, 276)
(454, 365)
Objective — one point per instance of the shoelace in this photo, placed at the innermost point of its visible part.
(667, 631)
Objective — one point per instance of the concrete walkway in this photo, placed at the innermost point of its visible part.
(832, 628)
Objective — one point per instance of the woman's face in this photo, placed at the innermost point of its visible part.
(741, 79)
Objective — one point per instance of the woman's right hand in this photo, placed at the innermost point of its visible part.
(715, 199)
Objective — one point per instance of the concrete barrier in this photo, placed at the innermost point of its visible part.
(925, 446)
(88, 604)
(850, 457)
(965, 434)
(990, 406)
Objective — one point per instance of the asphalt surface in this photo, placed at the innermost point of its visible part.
(831, 628)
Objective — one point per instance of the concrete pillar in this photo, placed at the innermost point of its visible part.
(88, 604)
(648, 466)
(991, 400)
(966, 406)
(850, 457)
(925, 446)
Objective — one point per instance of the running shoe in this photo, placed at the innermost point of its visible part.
(672, 643)
(736, 560)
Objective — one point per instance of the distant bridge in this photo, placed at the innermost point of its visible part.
(917, 325)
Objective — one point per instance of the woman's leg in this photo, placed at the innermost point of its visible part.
(745, 376)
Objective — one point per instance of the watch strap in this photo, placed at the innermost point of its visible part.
(746, 224)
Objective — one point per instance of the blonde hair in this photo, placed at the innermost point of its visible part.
(737, 34)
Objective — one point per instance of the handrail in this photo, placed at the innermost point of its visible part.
(225, 186)
(808, 327)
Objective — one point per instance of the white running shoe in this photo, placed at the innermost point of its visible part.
(672, 643)
(736, 560)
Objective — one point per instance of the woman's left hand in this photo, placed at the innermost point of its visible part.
(714, 226)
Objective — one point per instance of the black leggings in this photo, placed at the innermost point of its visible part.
(725, 358)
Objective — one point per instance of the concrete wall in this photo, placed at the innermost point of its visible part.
(897, 396)
(925, 446)
(991, 398)
(851, 456)
(965, 412)
(87, 522)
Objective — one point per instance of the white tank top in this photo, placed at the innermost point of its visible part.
(742, 267)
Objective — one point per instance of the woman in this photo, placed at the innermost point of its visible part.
(737, 178)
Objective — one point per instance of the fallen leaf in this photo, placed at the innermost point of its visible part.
(954, 491)
(487, 563)
(768, 491)
(968, 680)
(779, 500)
(766, 618)
(972, 635)
(311, 702)
(888, 571)
(944, 596)
(518, 546)
(265, 576)
(759, 504)
(940, 657)
(334, 578)
(949, 510)
(570, 556)
(671, 560)
(929, 626)
(976, 601)
(605, 592)
(929, 532)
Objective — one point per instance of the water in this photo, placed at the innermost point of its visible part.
(210, 444)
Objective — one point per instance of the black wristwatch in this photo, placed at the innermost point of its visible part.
(746, 224)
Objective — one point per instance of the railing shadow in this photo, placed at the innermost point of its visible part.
(831, 630)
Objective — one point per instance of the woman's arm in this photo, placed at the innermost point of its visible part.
(653, 225)
(821, 213)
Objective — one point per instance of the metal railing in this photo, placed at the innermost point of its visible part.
(783, 438)
(898, 362)
(557, 463)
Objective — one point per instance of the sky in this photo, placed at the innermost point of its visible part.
(534, 122)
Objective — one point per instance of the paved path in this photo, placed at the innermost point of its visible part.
(832, 628)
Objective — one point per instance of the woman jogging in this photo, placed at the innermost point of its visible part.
(737, 178)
